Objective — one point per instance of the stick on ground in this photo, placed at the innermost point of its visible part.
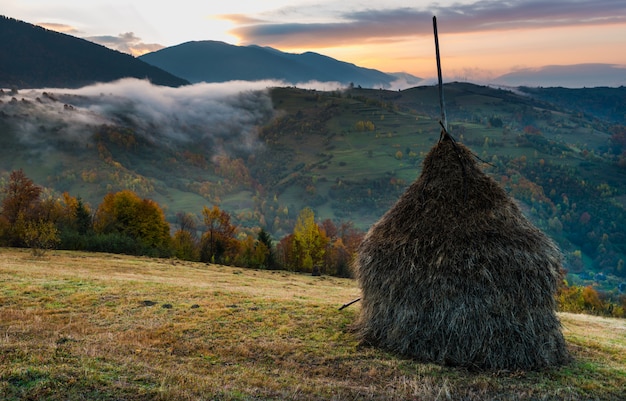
(344, 306)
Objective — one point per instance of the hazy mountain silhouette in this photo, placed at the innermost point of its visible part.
(567, 76)
(213, 61)
(34, 57)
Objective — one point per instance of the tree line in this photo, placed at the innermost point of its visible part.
(126, 223)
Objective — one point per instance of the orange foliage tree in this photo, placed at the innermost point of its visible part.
(218, 243)
(342, 245)
(141, 219)
(21, 199)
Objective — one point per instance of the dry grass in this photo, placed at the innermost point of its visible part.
(110, 327)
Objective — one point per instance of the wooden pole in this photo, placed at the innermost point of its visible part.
(444, 120)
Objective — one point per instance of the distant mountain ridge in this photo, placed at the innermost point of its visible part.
(567, 76)
(214, 61)
(34, 57)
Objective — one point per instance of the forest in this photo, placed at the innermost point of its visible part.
(127, 224)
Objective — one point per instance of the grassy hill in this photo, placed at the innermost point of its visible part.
(265, 155)
(104, 327)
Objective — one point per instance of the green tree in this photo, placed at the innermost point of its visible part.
(266, 248)
(84, 223)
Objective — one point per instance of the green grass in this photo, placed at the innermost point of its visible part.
(109, 327)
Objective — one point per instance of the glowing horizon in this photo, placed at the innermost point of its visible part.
(478, 39)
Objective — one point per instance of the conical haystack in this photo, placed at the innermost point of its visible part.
(454, 273)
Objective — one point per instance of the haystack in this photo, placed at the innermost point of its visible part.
(455, 274)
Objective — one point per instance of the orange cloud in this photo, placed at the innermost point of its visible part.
(369, 25)
(63, 28)
(239, 19)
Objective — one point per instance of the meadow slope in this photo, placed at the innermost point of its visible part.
(104, 327)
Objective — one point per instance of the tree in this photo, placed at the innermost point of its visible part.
(75, 215)
(264, 250)
(591, 300)
(19, 205)
(140, 219)
(20, 195)
(218, 244)
(185, 241)
(84, 223)
(286, 252)
(40, 236)
(185, 247)
(309, 241)
(342, 244)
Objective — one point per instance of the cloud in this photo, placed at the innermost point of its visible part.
(367, 25)
(126, 42)
(239, 19)
(212, 118)
(63, 28)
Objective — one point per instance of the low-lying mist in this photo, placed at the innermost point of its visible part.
(223, 117)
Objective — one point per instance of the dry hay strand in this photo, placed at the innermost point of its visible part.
(455, 274)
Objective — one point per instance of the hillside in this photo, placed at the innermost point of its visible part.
(34, 57)
(102, 327)
(265, 154)
(212, 61)
(602, 103)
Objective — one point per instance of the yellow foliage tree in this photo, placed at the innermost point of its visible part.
(309, 242)
(142, 219)
(40, 236)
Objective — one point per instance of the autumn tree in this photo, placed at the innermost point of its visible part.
(286, 252)
(20, 196)
(40, 236)
(142, 220)
(341, 248)
(27, 220)
(257, 253)
(309, 241)
(185, 240)
(218, 243)
(74, 222)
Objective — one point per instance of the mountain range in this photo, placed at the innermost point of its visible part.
(212, 61)
(37, 58)
(40, 58)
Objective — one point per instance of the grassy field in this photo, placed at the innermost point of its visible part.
(110, 327)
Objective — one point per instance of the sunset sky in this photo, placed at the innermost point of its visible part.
(478, 39)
